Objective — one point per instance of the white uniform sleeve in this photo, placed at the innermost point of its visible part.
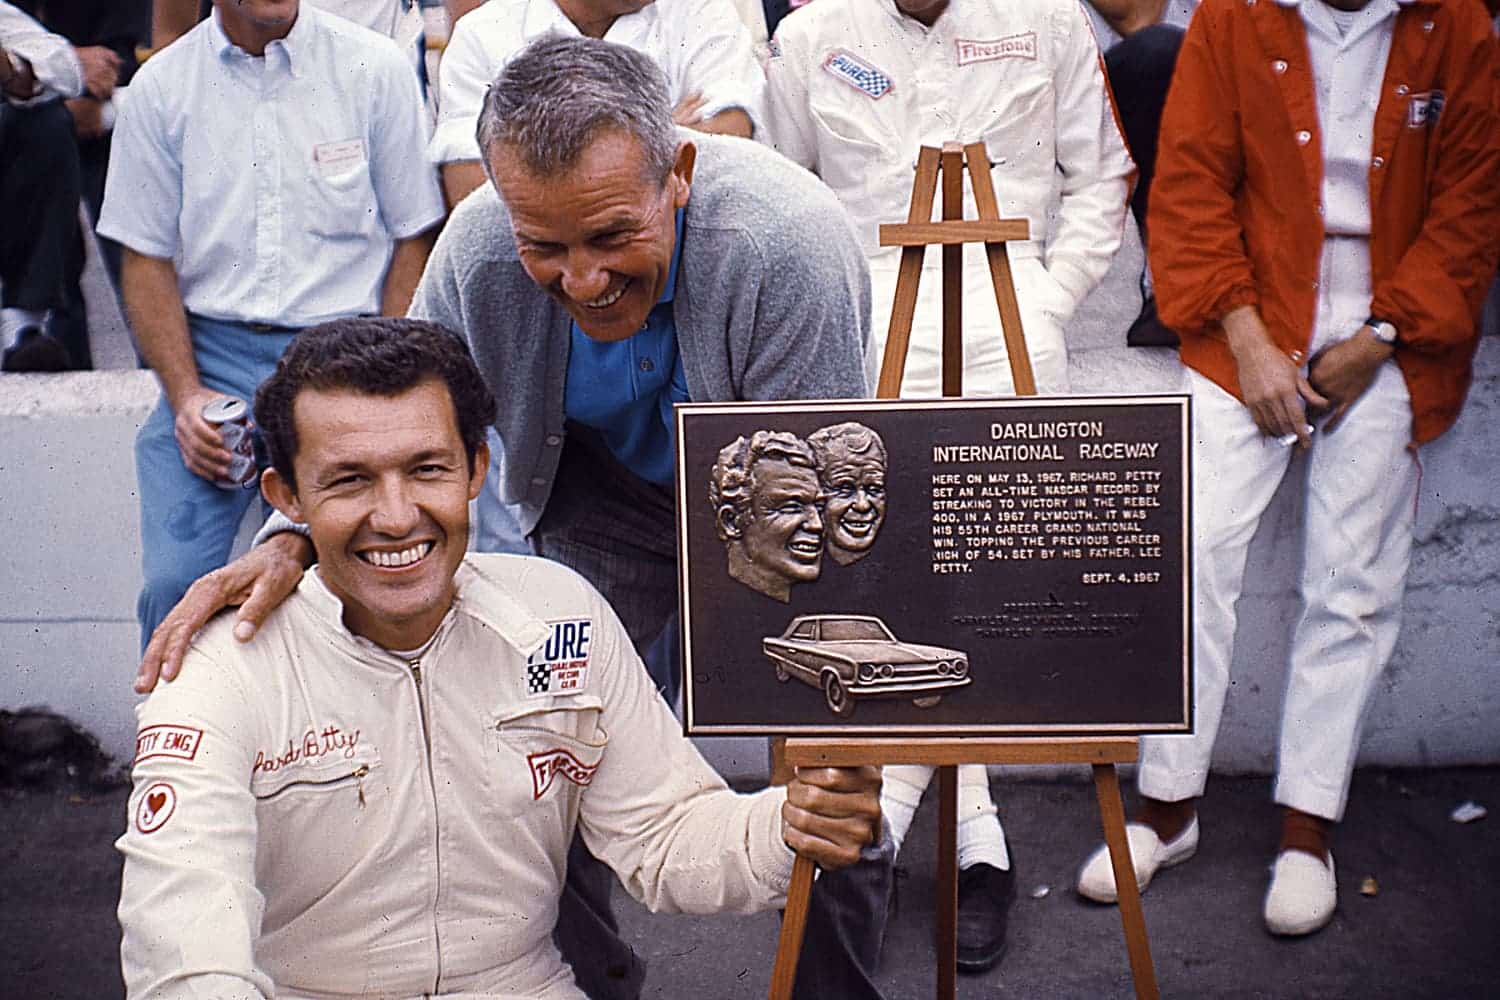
(1091, 154)
(789, 126)
(713, 56)
(189, 910)
(656, 813)
(143, 190)
(406, 186)
(51, 57)
(465, 74)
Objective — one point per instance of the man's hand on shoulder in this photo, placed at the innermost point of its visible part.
(257, 581)
(1271, 384)
(1343, 371)
(830, 813)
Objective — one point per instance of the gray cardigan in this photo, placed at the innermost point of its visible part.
(772, 302)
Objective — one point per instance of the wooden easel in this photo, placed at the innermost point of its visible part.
(1102, 753)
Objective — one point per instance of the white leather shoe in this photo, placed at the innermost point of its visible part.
(1096, 879)
(1303, 894)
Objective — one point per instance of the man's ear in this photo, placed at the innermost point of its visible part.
(682, 172)
(477, 469)
(279, 493)
(729, 525)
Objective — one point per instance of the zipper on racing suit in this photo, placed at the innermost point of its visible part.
(415, 666)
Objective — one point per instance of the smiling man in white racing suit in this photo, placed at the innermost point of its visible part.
(376, 795)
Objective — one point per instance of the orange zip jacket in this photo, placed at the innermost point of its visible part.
(1235, 203)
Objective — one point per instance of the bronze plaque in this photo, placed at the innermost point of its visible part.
(936, 567)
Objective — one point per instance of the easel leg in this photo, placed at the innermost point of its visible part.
(1112, 812)
(947, 883)
(793, 926)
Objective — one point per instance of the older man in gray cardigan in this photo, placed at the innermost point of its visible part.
(614, 267)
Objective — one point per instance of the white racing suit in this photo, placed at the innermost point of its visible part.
(316, 817)
(854, 87)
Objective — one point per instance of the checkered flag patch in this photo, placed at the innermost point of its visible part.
(858, 74)
(538, 678)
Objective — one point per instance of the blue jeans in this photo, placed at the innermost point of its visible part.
(187, 523)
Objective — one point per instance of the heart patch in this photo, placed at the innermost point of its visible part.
(156, 807)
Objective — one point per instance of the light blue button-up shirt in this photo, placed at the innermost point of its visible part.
(277, 184)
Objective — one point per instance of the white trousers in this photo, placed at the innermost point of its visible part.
(1045, 308)
(1358, 509)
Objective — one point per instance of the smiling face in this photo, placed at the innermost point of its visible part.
(855, 507)
(599, 238)
(783, 533)
(383, 484)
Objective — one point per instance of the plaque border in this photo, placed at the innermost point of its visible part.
(849, 409)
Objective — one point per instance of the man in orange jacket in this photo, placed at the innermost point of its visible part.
(1323, 229)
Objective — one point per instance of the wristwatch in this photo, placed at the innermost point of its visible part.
(1384, 330)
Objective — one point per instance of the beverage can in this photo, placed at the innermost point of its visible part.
(232, 418)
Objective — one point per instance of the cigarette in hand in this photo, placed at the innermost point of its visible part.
(1287, 440)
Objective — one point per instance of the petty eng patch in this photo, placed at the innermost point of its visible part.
(167, 741)
(157, 804)
(561, 666)
(548, 764)
(857, 73)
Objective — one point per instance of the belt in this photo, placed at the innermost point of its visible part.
(252, 327)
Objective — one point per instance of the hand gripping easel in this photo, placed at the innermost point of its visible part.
(1101, 753)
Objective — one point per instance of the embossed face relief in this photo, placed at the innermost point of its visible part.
(784, 533)
(855, 505)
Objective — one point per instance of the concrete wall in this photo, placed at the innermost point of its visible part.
(68, 526)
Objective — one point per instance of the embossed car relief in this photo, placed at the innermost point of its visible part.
(851, 657)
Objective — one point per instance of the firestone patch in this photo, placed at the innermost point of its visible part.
(548, 764)
(1018, 46)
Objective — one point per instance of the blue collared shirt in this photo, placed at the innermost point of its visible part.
(625, 389)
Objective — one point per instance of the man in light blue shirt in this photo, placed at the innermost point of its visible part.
(267, 176)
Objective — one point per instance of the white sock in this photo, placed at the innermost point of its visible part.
(13, 320)
(980, 838)
(900, 792)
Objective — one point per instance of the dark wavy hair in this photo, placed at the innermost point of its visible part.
(378, 357)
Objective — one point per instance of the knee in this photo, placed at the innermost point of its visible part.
(45, 136)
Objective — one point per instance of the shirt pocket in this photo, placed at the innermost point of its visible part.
(342, 205)
(544, 758)
(853, 138)
(1019, 121)
(339, 805)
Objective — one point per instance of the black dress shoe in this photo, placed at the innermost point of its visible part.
(36, 352)
(985, 894)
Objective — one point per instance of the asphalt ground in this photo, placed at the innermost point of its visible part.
(1430, 930)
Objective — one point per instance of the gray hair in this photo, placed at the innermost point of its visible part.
(840, 442)
(730, 484)
(560, 92)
